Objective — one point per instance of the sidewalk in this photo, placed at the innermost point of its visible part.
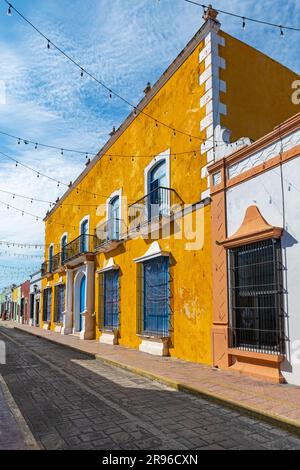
(278, 404)
(14, 432)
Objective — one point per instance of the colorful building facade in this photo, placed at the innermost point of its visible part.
(25, 301)
(16, 301)
(255, 222)
(35, 298)
(129, 245)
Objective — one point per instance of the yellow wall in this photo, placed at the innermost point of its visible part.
(259, 90)
(253, 109)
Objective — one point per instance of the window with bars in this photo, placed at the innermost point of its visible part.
(109, 290)
(59, 303)
(47, 304)
(154, 297)
(32, 298)
(256, 295)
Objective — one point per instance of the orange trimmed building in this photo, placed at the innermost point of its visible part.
(256, 232)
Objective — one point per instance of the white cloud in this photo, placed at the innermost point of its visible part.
(123, 43)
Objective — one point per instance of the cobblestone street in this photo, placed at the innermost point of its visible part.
(72, 401)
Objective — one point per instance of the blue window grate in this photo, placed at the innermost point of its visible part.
(47, 304)
(59, 303)
(154, 298)
(109, 288)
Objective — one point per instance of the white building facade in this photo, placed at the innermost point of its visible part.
(256, 258)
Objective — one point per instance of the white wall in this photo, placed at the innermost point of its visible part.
(277, 206)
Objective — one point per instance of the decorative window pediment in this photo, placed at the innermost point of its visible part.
(254, 228)
(153, 252)
(109, 266)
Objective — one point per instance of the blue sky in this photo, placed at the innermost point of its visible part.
(125, 43)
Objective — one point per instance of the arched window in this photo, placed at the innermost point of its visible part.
(114, 219)
(51, 254)
(82, 298)
(64, 242)
(158, 194)
(84, 229)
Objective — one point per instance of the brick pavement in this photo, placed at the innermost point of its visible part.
(13, 432)
(72, 401)
(280, 403)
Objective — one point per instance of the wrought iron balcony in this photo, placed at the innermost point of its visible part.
(45, 268)
(80, 246)
(109, 234)
(52, 265)
(161, 202)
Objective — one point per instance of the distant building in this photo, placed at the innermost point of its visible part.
(24, 313)
(35, 297)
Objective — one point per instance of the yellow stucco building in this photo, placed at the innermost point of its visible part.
(128, 246)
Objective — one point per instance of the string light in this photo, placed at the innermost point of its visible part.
(22, 245)
(9, 10)
(39, 144)
(23, 212)
(235, 15)
(109, 90)
(244, 23)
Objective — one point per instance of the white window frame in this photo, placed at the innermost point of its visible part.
(61, 239)
(50, 246)
(117, 193)
(164, 156)
(85, 219)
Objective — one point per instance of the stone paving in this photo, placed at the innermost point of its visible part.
(281, 402)
(11, 437)
(72, 401)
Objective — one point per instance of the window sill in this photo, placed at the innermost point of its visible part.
(265, 357)
(155, 345)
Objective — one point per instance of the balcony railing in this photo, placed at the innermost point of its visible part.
(81, 245)
(52, 265)
(161, 202)
(45, 268)
(110, 231)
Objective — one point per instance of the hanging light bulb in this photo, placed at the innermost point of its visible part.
(62, 152)
(81, 73)
(9, 10)
(244, 23)
(36, 146)
(110, 94)
(281, 32)
(38, 175)
(174, 132)
(48, 44)
(19, 141)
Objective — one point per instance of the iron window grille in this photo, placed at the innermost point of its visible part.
(109, 305)
(256, 296)
(59, 303)
(47, 304)
(153, 299)
(32, 298)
